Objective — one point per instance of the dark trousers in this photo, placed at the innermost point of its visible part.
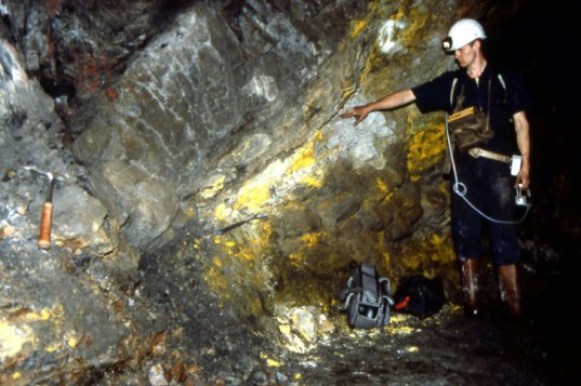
(487, 186)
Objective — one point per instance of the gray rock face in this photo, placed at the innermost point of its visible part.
(165, 139)
(195, 102)
(176, 103)
(31, 147)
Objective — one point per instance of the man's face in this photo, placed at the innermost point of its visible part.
(466, 55)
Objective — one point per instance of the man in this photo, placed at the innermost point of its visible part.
(487, 125)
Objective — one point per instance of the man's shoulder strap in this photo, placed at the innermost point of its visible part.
(501, 80)
(452, 89)
(455, 82)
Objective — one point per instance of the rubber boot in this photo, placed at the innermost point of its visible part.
(509, 289)
(470, 287)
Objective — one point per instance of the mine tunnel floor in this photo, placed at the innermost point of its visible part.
(451, 349)
(446, 348)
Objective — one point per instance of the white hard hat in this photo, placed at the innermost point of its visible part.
(464, 31)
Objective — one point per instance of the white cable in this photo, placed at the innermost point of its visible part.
(460, 189)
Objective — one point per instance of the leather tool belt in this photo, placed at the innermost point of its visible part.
(478, 152)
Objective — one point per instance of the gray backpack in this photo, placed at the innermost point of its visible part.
(366, 298)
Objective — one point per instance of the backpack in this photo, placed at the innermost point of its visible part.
(366, 298)
(419, 296)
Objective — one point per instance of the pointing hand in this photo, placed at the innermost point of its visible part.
(358, 112)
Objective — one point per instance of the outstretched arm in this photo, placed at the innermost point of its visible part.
(521, 126)
(388, 102)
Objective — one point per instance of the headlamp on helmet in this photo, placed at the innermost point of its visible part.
(447, 44)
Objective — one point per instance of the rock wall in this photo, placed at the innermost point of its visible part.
(204, 167)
